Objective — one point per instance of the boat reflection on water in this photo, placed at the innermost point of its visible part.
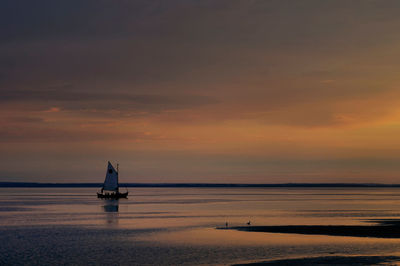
(111, 207)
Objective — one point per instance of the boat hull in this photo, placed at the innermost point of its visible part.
(112, 196)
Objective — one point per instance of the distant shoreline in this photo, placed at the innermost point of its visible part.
(202, 185)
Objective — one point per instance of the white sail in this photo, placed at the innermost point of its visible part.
(111, 182)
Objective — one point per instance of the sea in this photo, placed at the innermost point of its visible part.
(178, 226)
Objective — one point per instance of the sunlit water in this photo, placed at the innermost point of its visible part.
(171, 226)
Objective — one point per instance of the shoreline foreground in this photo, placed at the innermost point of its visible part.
(330, 260)
(382, 229)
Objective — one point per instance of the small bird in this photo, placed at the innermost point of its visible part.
(248, 223)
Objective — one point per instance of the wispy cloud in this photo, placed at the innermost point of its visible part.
(67, 99)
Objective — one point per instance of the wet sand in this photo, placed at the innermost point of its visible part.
(382, 229)
(332, 260)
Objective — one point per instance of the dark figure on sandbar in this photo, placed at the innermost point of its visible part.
(248, 223)
(226, 224)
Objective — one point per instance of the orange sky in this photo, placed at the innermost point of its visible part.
(200, 91)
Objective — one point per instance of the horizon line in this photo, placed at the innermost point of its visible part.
(95, 184)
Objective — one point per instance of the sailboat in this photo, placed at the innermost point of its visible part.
(110, 189)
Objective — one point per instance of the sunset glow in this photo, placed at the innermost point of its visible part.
(201, 91)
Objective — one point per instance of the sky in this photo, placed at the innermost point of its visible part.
(200, 91)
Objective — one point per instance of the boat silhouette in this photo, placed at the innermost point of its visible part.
(110, 189)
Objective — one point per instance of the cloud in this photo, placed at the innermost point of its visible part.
(46, 133)
(21, 120)
(66, 99)
(147, 42)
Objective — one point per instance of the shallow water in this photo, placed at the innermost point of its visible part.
(169, 226)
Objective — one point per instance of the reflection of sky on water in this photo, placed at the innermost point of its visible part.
(178, 224)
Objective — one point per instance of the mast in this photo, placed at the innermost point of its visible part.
(117, 177)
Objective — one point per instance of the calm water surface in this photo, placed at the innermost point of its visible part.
(171, 226)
